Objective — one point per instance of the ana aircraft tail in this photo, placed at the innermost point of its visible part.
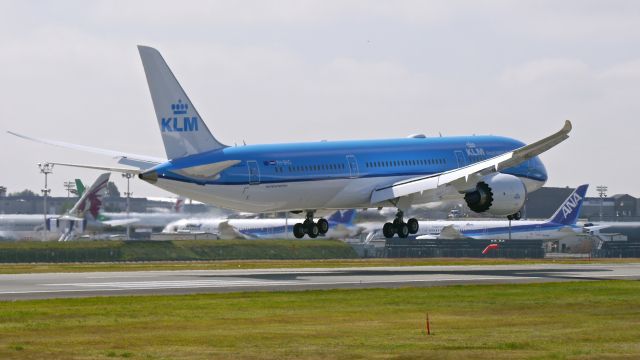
(567, 213)
(343, 217)
(183, 131)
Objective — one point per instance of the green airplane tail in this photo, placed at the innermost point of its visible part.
(80, 187)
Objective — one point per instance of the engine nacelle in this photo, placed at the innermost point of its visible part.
(499, 194)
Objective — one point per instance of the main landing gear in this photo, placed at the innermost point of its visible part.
(400, 227)
(308, 227)
(515, 216)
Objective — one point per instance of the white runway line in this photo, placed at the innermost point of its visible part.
(254, 283)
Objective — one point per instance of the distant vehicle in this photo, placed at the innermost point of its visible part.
(492, 174)
(562, 224)
(61, 227)
(340, 226)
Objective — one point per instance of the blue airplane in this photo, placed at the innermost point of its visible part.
(492, 174)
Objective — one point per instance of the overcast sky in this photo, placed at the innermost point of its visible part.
(281, 71)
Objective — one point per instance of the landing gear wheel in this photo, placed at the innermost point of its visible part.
(403, 230)
(313, 230)
(298, 230)
(388, 230)
(515, 216)
(307, 224)
(413, 226)
(323, 226)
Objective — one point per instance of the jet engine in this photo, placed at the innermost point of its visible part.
(499, 194)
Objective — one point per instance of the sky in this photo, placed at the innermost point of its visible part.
(283, 71)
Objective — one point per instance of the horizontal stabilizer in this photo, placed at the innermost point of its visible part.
(120, 222)
(207, 171)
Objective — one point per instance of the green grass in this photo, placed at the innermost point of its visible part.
(92, 251)
(271, 264)
(577, 320)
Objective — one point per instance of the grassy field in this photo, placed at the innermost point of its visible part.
(271, 264)
(578, 320)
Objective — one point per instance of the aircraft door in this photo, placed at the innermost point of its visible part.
(353, 166)
(460, 157)
(254, 172)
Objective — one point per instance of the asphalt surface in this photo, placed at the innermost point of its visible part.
(57, 285)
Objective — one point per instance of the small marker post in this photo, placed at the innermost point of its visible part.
(428, 326)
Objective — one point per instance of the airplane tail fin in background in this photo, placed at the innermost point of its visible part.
(179, 205)
(183, 131)
(91, 199)
(79, 187)
(343, 217)
(567, 213)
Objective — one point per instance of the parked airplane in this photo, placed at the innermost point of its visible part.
(492, 174)
(146, 220)
(562, 224)
(21, 226)
(340, 227)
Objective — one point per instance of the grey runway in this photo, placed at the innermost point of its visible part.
(55, 285)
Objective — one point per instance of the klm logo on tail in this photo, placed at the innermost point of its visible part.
(570, 204)
(177, 123)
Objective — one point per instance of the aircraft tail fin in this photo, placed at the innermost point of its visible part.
(179, 205)
(91, 199)
(79, 187)
(183, 131)
(343, 217)
(567, 213)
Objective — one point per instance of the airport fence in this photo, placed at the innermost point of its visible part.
(397, 248)
(115, 251)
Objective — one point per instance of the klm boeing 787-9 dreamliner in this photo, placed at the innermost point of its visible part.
(493, 174)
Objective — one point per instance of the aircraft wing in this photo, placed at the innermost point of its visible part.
(120, 222)
(465, 178)
(103, 168)
(229, 232)
(139, 161)
(448, 232)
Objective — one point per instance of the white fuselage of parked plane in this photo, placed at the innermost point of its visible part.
(500, 229)
(26, 227)
(253, 228)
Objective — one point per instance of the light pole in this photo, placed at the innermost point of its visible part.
(602, 191)
(128, 176)
(46, 169)
(69, 186)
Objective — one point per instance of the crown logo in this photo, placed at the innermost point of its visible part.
(179, 108)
